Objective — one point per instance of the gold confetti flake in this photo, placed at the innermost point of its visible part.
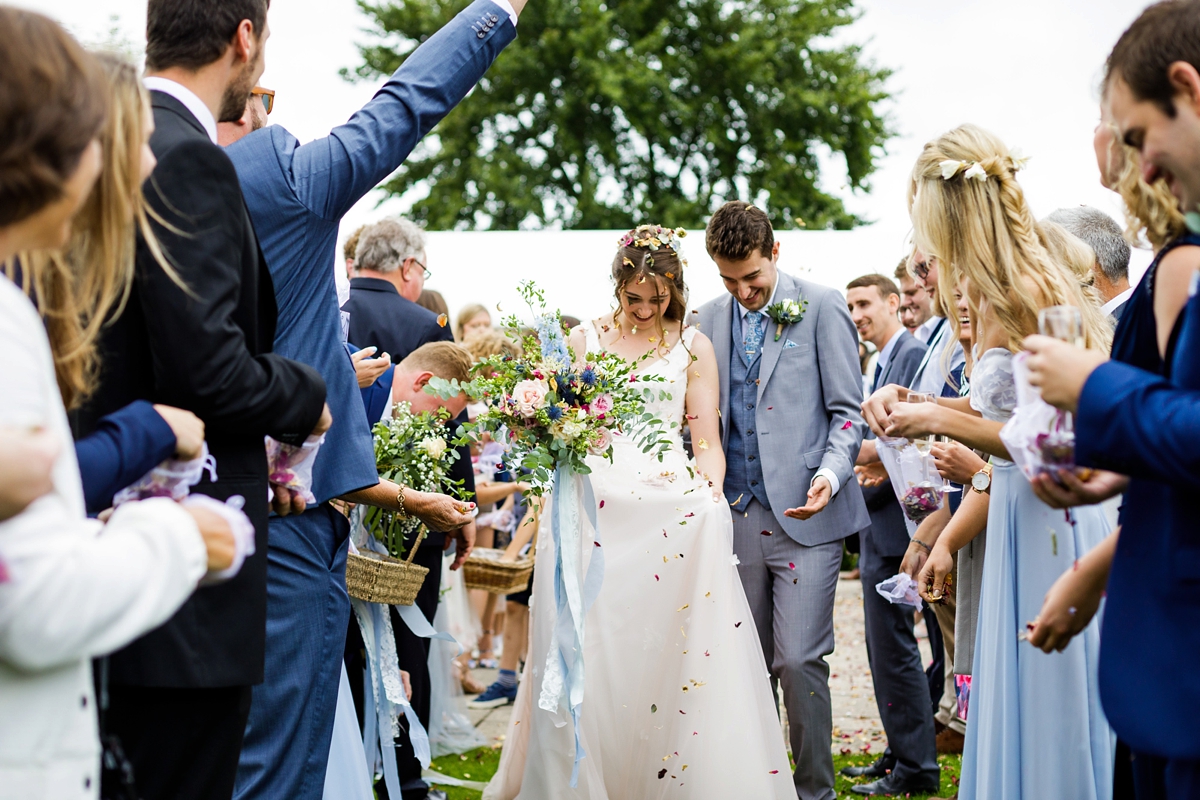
(708, 594)
(681, 630)
(685, 689)
(682, 607)
(702, 443)
(443, 320)
(653, 339)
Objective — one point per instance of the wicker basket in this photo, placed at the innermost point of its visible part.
(484, 570)
(378, 578)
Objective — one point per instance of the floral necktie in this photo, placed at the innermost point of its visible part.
(753, 328)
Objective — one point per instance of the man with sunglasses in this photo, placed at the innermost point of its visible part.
(296, 195)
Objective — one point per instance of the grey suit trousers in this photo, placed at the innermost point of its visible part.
(790, 588)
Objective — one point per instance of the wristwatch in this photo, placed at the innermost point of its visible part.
(982, 481)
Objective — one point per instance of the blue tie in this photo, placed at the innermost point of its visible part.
(752, 334)
(878, 372)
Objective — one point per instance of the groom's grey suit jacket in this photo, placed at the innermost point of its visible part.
(807, 416)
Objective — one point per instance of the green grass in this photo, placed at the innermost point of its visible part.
(481, 764)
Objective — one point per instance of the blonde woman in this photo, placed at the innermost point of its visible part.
(471, 319)
(1040, 730)
(80, 287)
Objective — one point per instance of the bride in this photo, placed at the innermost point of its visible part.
(677, 700)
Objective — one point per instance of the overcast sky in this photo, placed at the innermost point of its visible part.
(1026, 69)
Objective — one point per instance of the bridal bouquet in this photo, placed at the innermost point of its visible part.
(410, 449)
(552, 409)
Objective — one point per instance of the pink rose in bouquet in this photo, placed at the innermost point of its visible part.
(528, 396)
(601, 440)
(601, 404)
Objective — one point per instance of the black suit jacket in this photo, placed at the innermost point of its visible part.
(888, 533)
(380, 317)
(206, 349)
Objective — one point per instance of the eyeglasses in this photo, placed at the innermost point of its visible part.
(428, 274)
(921, 269)
(266, 95)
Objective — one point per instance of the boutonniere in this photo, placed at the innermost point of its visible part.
(786, 312)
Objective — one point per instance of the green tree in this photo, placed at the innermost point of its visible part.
(602, 115)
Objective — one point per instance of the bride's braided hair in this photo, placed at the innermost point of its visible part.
(970, 212)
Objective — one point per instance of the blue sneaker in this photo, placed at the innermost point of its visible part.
(494, 697)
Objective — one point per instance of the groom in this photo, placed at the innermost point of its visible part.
(791, 429)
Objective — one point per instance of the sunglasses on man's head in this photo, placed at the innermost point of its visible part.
(266, 95)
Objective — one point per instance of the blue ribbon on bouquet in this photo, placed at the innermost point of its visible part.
(574, 595)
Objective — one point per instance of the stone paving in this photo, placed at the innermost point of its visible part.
(856, 725)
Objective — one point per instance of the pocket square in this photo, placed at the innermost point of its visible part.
(789, 343)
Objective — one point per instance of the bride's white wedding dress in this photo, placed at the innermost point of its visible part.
(677, 700)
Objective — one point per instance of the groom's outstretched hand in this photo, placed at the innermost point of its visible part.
(819, 496)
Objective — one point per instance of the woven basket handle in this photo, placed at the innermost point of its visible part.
(412, 551)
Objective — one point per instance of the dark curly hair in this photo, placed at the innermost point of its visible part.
(53, 102)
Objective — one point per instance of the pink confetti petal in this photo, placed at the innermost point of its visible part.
(602, 504)
(768, 533)
(655, 577)
(846, 427)
(791, 565)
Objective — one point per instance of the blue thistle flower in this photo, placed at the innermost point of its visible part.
(588, 377)
(554, 413)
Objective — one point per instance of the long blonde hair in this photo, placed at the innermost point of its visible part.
(984, 230)
(87, 284)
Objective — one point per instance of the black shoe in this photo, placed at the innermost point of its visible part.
(880, 769)
(891, 785)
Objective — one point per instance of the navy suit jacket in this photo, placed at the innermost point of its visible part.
(888, 531)
(1146, 426)
(297, 195)
(380, 317)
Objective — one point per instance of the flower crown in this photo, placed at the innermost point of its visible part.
(974, 170)
(654, 237)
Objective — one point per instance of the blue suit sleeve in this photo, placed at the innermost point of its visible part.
(333, 173)
(1136, 423)
(125, 446)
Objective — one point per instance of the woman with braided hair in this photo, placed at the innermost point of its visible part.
(1036, 728)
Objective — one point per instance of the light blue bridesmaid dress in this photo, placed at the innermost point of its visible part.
(1035, 728)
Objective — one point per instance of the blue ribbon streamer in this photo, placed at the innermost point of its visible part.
(574, 594)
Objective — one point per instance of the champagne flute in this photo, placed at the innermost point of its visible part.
(947, 486)
(1064, 323)
(923, 443)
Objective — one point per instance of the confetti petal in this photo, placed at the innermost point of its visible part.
(847, 426)
(602, 504)
(653, 708)
(791, 565)
(443, 320)
(736, 625)
(768, 533)
(662, 773)
(656, 577)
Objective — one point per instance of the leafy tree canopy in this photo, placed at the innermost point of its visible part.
(601, 114)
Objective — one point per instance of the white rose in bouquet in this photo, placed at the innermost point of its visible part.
(529, 396)
(434, 446)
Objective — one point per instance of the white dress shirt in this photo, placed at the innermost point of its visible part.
(190, 101)
(824, 472)
(1108, 307)
(925, 329)
(930, 377)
